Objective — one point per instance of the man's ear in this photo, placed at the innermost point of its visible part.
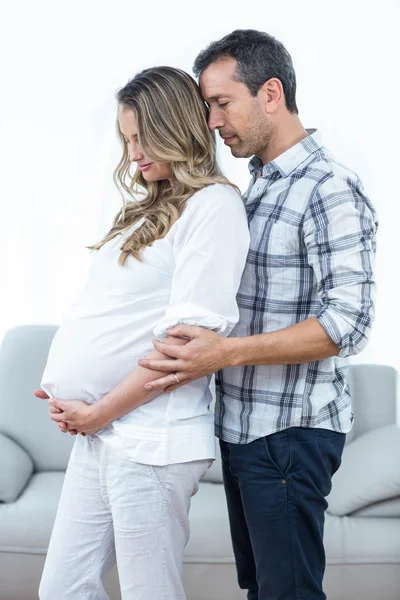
(272, 95)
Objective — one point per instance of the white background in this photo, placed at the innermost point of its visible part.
(61, 64)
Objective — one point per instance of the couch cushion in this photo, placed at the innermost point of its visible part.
(26, 524)
(16, 467)
(23, 417)
(386, 509)
(369, 473)
(373, 391)
(352, 540)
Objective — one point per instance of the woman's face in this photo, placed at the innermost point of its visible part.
(151, 170)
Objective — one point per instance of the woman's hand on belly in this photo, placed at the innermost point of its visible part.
(77, 414)
(73, 416)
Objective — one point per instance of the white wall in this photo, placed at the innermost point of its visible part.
(61, 66)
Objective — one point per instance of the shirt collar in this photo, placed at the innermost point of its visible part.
(289, 160)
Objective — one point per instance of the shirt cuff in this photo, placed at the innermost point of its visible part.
(190, 314)
(342, 332)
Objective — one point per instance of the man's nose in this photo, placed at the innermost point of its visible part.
(215, 120)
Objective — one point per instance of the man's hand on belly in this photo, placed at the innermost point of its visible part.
(204, 352)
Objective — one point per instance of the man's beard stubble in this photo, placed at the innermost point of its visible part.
(255, 145)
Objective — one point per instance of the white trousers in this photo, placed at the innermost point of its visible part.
(115, 510)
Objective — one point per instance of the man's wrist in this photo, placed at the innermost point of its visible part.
(232, 350)
(249, 350)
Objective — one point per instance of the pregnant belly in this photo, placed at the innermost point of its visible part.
(87, 360)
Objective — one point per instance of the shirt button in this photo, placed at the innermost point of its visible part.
(283, 481)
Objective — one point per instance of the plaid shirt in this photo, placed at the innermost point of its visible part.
(311, 254)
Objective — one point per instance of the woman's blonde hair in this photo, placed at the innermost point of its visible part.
(172, 127)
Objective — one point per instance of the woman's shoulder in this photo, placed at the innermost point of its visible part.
(217, 195)
(218, 204)
(214, 190)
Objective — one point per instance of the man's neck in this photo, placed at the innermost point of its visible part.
(288, 133)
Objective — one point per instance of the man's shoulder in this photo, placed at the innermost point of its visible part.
(335, 185)
(329, 174)
(320, 179)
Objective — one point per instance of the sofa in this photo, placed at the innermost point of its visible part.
(362, 535)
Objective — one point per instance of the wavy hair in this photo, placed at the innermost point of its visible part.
(172, 127)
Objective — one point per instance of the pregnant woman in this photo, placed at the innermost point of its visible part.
(174, 254)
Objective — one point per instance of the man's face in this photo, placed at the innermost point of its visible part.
(238, 116)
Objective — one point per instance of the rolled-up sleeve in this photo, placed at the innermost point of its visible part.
(340, 235)
(210, 249)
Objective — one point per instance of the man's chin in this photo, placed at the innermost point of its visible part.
(238, 152)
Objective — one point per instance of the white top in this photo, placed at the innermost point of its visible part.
(189, 277)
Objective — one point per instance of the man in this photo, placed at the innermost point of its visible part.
(307, 296)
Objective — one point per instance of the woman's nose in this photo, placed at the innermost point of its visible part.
(134, 151)
(135, 154)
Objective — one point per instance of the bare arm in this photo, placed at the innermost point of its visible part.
(303, 342)
(207, 352)
(131, 392)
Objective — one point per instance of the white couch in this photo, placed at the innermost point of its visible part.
(362, 528)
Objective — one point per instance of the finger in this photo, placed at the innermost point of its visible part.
(57, 403)
(53, 409)
(169, 349)
(156, 364)
(64, 427)
(41, 394)
(163, 382)
(185, 331)
(172, 388)
(58, 417)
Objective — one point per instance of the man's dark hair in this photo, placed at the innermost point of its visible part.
(259, 56)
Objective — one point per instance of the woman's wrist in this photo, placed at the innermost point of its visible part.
(99, 415)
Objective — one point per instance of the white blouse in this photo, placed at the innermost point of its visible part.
(191, 276)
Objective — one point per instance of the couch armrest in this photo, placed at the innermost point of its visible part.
(16, 468)
(369, 473)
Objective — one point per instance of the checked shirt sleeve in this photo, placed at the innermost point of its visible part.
(339, 233)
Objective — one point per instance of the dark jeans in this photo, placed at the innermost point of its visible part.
(275, 489)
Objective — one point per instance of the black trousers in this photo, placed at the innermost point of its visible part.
(276, 488)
